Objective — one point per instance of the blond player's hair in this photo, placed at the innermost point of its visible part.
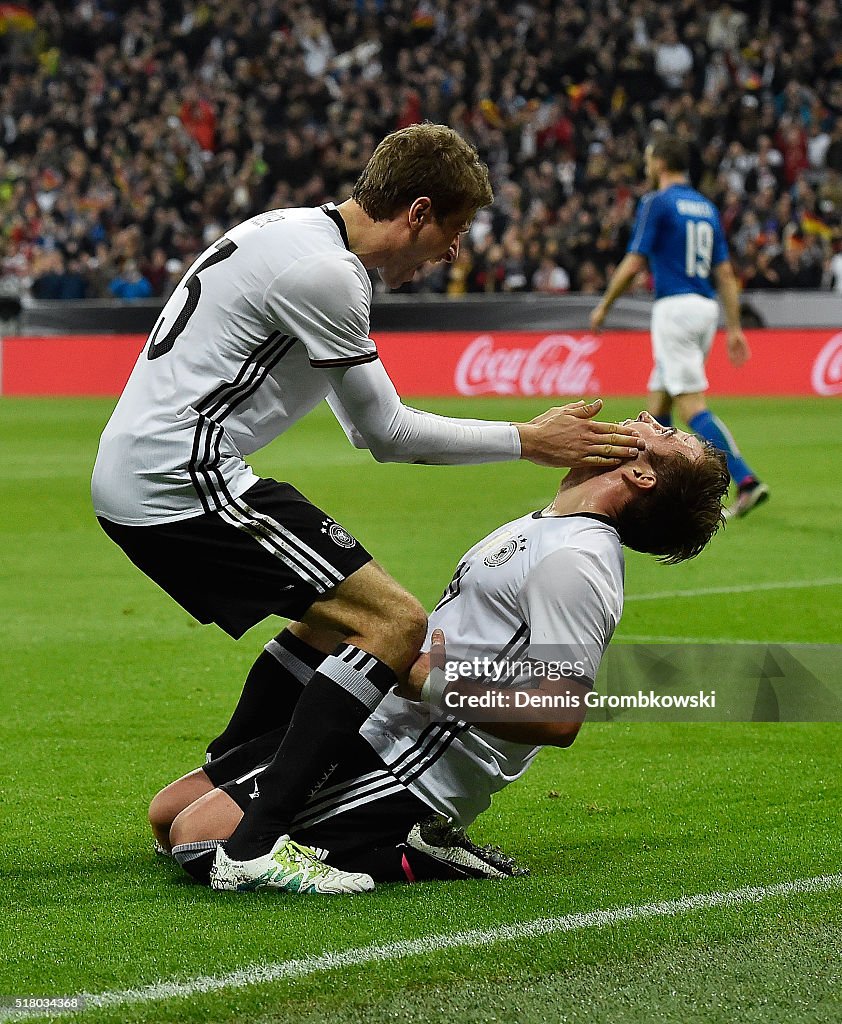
(423, 160)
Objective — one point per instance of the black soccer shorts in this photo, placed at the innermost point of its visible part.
(271, 553)
(359, 812)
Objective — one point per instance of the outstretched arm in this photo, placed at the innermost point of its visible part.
(729, 294)
(394, 432)
(630, 266)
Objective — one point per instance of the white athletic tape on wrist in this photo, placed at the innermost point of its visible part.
(433, 687)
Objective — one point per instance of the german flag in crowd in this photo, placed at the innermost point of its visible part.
(14, 18)
(811, 225)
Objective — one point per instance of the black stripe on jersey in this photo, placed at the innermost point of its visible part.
(519, 634)
(366, 357)
(193, 465)
(205, 475)
(209, 435)
(258, 364)
(422, 750)
(204, 460)
(453, 589)
(413, 748)
(270, 361)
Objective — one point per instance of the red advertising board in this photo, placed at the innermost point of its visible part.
(536, 363)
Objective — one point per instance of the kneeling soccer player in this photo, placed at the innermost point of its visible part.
(394, 809)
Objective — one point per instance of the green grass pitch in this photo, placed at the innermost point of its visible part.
(110, 691)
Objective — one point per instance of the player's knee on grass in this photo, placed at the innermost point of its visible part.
(171, 801)
(163, 810)
(213, 816)
(200, 828)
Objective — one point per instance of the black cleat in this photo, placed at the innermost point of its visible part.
(447, 844)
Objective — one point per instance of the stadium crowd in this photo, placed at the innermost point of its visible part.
(133, 132)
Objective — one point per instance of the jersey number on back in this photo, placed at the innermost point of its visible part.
(699, 251)
(224, 249)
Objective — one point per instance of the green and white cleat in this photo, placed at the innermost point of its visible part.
(289, 867)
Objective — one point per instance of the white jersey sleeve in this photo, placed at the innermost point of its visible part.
(344, 421)
(565, 600)
(323, 300)
(370, 410)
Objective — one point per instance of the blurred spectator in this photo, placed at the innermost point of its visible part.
(56, 279)
(725, 28)
(550, 278)
(199, 120)
(834, 268)
(137, 131)
(673, 59)
(130, 283)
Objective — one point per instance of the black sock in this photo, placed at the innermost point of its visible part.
(271, 691)
(197, 858)
(347, 687)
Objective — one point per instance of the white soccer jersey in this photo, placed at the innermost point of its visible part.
(267, 322)
(536, 583)
(219, 379)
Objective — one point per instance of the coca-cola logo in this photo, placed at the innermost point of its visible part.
(827, 369)
(558, 365)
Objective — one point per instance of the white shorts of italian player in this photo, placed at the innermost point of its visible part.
(683, 328)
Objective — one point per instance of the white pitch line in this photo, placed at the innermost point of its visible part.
(743, 588)
(363, 955)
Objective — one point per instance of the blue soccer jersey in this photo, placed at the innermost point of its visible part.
(680, 234)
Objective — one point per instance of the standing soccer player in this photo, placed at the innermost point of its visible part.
(678, 235)
(269, 321)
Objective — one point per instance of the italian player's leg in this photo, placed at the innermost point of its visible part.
(692, 408)
(658, 399)
(659, 404)
(383, 627)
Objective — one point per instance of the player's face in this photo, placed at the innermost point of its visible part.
(666, 440)
(430, 241)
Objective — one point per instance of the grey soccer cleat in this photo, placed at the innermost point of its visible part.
(747, 499)
(448, 844)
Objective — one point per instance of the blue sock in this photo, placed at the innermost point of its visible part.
(712, 429)
(665, 419)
